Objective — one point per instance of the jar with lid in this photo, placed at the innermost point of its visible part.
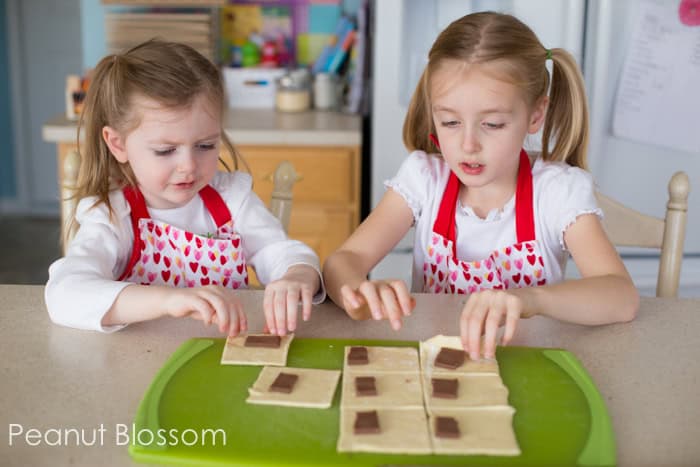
(325, 91)
(293, 93)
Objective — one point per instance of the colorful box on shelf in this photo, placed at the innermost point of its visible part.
(251, 87)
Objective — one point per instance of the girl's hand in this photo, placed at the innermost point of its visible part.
(283, 297)
(209, 304)
(484, 313)
(382, 299)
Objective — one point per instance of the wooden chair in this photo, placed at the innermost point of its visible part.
(283, 180)
(627, 227)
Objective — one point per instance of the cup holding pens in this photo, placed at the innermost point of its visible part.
(325, 91)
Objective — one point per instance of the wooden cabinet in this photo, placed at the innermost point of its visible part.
(326, 198)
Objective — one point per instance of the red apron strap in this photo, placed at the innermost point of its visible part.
(445, 221)
(138, 211)
(524, 211)
(216, 205)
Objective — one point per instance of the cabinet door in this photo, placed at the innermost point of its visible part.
(327, 174)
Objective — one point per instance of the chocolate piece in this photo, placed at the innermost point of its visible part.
(284, 383)
(366, 423)
(450, 358)
(272, 342)
(445, 388)
(358, 356)
(446, 427)
(365, 386)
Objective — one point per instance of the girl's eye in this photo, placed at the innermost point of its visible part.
(163, 152)
(206, 147)
(450, 123)
(494, 126)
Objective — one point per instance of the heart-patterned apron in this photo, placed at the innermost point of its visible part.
(514, 266)
(166, 255)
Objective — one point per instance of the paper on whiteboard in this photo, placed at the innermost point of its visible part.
(658, 99)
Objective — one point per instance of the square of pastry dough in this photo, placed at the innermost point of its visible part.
(430, 348)
(475, 390)
(385, 360)
(393, 390)
(483, 430)
(314, 388)
(401, 431)
(236, 353)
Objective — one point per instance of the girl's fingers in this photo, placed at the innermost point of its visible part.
(391, 306)
(464, 322)
(268, 310)
(476, 323)
(493, 321)
(292, 304)
(280, 312)
(307, 298)
(405, 300)
(350, 297)
(369, 291)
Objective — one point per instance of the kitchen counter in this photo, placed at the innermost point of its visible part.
(258, 126)
(53, 377)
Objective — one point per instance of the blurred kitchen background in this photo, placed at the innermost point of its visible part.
(354, 64)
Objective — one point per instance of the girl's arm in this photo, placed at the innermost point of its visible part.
(374, 238)
(209, 304)
(605, 293)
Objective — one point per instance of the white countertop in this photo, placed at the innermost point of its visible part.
(258, 127)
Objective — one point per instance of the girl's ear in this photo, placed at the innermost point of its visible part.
(537, 115)
(115, 143)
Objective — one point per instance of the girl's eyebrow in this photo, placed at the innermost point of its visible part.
(495, 110)
(175, 143)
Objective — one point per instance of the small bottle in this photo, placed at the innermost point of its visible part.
(325, 85)
(292, 95)
(72, 86)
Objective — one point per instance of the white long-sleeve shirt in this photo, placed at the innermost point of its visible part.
(83, 285)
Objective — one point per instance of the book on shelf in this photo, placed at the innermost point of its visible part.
(125, 29)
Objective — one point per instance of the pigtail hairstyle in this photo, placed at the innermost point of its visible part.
(172, 74)
(514, 53)
(567, 114)
(419, 120)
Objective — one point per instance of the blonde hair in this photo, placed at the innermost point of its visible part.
(487, 37)
(169, 73)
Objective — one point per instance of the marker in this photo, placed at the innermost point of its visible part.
(259, 82)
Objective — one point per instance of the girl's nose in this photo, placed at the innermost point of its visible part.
(187, 162)
(470, 141)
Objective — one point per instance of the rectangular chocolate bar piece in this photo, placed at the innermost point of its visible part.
(358, 356)
(365, 386)
(284, 383)
(446, 427)
(272, 342)
(450, 358)
(445, 388)
(366, 423)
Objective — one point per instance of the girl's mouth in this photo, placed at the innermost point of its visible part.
(471, 169)
(184, 185)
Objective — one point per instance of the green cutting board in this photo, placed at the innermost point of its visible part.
(560, 417)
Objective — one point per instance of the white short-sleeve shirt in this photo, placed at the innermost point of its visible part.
(561, 193)
(83, 285)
